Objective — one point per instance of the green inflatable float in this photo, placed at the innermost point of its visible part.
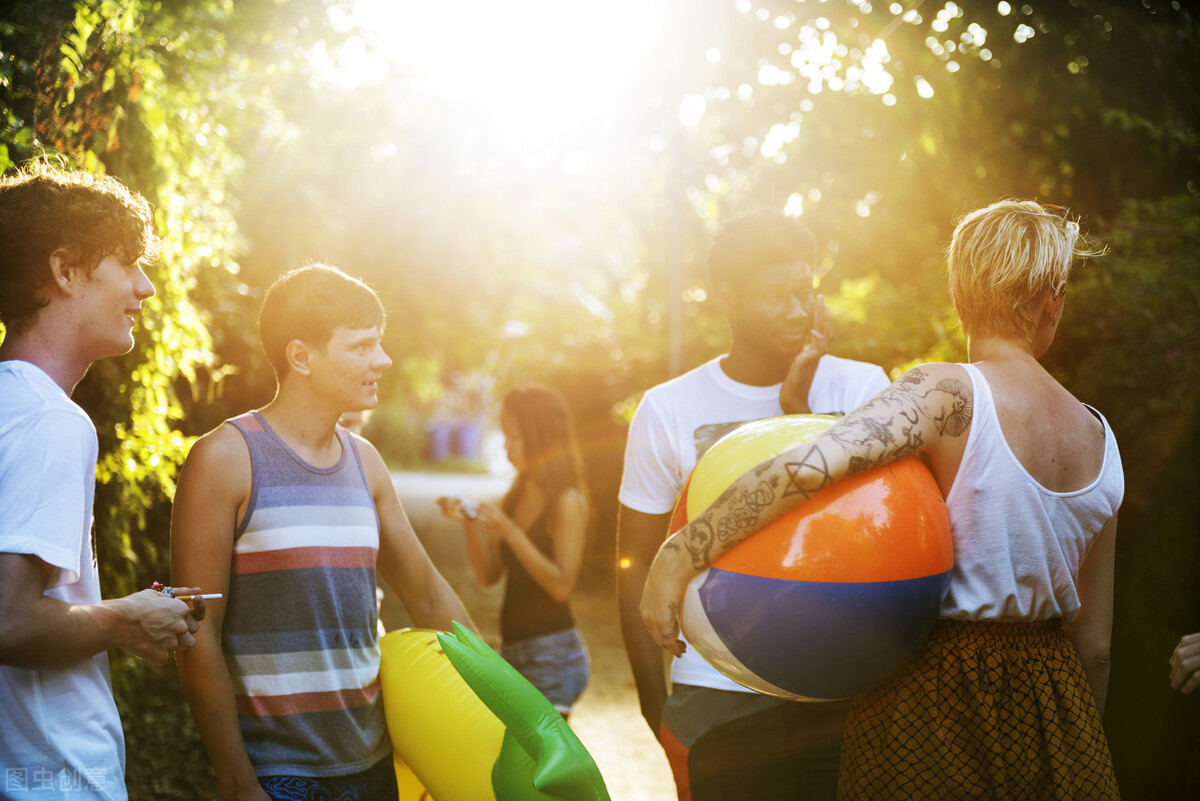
(465, 726)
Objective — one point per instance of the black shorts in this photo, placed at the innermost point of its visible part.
(777, 750)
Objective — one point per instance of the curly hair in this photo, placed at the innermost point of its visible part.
(46, 209)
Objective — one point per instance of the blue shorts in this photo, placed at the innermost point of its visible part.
(557, 664)
(376, 783)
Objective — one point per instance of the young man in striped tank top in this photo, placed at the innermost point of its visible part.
(292, 516)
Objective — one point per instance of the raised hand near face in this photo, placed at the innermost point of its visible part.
(793, 395)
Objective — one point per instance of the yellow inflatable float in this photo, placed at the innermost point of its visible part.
(465, 726)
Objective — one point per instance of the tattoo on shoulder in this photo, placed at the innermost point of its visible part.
(957, 407)
(889, 426)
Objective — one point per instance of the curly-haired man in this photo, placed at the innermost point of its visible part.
(72, 247)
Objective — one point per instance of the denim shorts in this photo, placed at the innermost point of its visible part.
(557, 664)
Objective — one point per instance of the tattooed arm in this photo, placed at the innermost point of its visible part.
(927, 410)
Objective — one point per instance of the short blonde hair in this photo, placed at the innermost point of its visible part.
(1003, 259)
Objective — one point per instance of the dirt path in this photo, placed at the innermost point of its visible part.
(606, 718)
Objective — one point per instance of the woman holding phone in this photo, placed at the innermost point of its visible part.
(536, 537)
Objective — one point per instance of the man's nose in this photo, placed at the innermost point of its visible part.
(143, 287)
(797, 306)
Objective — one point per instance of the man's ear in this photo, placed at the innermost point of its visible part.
(297, 355)
(61, 273)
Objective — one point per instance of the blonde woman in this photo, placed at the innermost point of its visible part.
(1006, 698)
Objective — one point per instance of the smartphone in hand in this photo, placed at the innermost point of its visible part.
(470, 509)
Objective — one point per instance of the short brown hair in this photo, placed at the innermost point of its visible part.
(310, 303)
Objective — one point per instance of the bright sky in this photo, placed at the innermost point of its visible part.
(541, 75)
(560, 78)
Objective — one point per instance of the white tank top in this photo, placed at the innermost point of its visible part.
(1018, 545)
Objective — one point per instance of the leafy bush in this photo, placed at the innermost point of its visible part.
(1128, 346)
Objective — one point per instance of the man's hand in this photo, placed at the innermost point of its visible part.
(39, 632)
(793, 395)
(152, 625)
(1185, 664)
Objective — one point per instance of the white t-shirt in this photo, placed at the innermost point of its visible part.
(678, 421)
(60, 734)
(1017, 545)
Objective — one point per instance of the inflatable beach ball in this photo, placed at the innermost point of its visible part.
(831, 599)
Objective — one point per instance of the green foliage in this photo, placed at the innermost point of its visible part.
(164, 756)
(98, 81)
(1127, 345)
(897, 326)
(1132, 322)
(145, 90)
(903, 118)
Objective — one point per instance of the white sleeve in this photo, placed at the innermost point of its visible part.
(44, 498)
(650, 482)
(873, 381)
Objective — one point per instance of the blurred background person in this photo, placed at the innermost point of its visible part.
(536, 536)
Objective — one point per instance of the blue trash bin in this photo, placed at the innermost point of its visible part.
(438, 435)
(468, 440)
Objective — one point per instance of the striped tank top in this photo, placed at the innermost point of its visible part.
(300, 632)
